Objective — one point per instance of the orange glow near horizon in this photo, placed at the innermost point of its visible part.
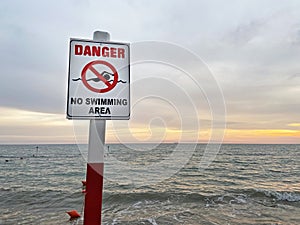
(21, 126)
(268, 136)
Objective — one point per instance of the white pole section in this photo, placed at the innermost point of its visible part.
(97, 127)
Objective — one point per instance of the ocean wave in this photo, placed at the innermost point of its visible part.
(236, 197)
(281, 195)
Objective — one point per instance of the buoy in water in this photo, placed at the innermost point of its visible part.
(73, 214)
(83, 191)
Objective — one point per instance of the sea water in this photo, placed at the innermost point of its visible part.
(150, 184)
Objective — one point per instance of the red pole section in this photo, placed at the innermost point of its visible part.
(93, 196)
(94, 175)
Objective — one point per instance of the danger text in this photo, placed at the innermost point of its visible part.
(99, 51)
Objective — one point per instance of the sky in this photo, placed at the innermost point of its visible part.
(243, 83)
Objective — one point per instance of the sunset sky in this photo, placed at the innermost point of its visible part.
(248, 52)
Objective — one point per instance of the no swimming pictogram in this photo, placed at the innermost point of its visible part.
(103, 76)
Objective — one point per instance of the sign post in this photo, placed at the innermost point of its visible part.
(98, 89)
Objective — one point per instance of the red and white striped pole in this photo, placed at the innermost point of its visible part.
(95, 163)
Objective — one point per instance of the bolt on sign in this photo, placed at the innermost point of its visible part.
(99, 81)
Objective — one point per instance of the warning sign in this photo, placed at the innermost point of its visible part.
(98, 84)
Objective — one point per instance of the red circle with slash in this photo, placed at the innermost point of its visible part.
(90, 67)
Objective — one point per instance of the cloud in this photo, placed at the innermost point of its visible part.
(21, 126)
(251, 48)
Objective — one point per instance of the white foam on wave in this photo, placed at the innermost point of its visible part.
(283, 196)
(114, 222)
(152, 221)
(175, 218)
(240, 199)
(137, 205)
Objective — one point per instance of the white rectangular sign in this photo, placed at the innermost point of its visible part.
(99, 80)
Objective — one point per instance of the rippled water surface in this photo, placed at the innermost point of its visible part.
(245, 184)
